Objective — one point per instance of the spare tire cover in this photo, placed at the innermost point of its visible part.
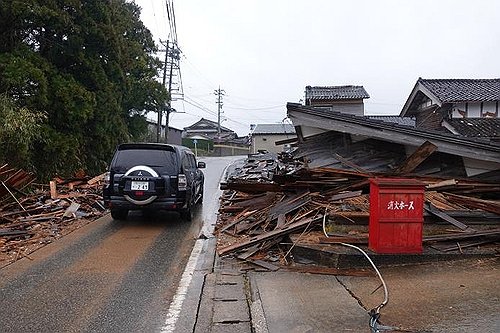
(141, 171)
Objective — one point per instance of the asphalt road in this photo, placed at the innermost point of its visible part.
(109, 276)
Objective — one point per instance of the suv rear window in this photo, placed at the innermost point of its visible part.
(163, 161)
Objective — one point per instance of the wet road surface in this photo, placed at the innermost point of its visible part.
(109, 276)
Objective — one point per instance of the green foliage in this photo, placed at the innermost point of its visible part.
(19, 128)
(89, 66)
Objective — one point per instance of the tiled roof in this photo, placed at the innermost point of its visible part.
(476, 127)
(274, 129)
(463, 90)
(405, 121)
(336, 92)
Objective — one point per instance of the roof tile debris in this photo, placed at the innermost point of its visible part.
(463, 90)
(336, 92)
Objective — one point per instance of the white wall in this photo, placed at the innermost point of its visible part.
(267, 142)
(473, 109)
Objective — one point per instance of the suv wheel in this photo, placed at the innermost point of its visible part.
(187, 214)
(119, 214)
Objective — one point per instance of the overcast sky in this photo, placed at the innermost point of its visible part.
(264, 52)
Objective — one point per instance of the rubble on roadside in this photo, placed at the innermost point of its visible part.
(32, 215)
(271, 204)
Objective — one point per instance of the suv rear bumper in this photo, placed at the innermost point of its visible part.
(119, 202)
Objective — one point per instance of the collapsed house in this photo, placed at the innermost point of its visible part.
(272, 203)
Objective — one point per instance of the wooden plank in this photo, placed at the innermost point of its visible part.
(96, 179)
(462, 235)
(350, 164)
(268, 235)
(444, 183)
(434, 211)
(487, 205)
(414, 160)
(53, 189)
(346, 195)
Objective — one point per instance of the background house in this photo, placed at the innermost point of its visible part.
(209, 129)
(265, 137)
(345, 99)
(437, 103)
(214, 141)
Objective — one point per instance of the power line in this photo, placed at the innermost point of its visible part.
(257, 109)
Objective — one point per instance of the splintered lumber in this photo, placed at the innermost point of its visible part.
(268, 235)
(289, 205)
(415, 159)
(434, 211)
(487, 205)
(96, 179)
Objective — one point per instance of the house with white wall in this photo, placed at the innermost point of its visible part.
(265, 137)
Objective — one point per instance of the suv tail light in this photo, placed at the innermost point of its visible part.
(181, 182)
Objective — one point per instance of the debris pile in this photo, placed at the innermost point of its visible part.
(269, 205)
(31, 219)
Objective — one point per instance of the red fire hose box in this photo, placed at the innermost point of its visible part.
(396, 215)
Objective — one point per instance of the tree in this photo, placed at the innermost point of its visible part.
(89, 65)
(19, 128)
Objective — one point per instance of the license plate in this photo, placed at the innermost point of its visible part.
(139, 186)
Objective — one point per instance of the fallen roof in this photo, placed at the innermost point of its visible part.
(361, 125)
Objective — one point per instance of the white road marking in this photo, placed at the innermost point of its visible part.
(176, 305)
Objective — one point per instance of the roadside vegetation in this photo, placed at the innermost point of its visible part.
(76, 78)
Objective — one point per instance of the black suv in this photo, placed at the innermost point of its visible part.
(153, 176)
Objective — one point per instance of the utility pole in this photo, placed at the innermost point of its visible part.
(171, 58)
(219, 93)
(160, 110)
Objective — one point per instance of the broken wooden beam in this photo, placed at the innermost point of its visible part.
(415, 159)
(268, 235)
